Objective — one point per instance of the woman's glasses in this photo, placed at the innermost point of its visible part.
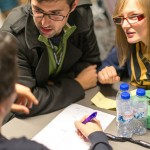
(131, 19)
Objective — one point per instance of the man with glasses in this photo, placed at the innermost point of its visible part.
(58, 52)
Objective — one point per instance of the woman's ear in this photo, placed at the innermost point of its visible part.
(74, 5)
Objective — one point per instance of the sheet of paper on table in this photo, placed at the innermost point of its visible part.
(60, 133)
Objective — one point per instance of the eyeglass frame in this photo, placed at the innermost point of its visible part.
(138, 17)
(46, 14)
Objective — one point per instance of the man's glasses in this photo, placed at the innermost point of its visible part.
(41, 14)
(131, 19)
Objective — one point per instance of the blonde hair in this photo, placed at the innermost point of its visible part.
(122, 45)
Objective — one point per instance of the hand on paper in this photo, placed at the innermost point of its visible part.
(25, 100)
(87, 77)
(108, 75)
(84, 130)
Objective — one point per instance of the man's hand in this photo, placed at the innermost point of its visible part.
(24, 101)
(87, 77)
(108, 75)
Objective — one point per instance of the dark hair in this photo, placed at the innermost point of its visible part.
(8, 64)
(70, 2)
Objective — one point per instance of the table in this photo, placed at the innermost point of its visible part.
(31, 126)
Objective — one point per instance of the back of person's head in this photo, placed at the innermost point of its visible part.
(8, 64)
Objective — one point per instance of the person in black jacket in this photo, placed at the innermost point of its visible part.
(8, 78)
(8, 72)
(58, 51)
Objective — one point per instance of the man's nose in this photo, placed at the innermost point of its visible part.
(46, 21)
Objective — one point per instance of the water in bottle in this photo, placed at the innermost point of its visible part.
(124, 116)
(140, 108)
(148, 118)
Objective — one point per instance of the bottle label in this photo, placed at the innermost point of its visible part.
(148, 118)
(125, 117)
(140, 113)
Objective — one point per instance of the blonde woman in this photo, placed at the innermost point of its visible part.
(131, 55)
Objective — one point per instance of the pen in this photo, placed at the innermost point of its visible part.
(91, 117)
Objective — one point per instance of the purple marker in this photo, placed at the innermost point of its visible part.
(91, 117)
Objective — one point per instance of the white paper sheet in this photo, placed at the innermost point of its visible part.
(60, 133)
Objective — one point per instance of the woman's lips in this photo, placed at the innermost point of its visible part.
(130, 34)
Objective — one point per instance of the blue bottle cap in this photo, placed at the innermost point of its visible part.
(124, 86)
(125, 96)
(140, 92)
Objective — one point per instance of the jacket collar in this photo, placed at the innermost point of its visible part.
(32, 34)
(79, 21)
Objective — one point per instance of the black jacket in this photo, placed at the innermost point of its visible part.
(98, 140)
(82, 51)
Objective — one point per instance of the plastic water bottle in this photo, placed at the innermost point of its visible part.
(140, 107)
(148, 118)
(124, 116)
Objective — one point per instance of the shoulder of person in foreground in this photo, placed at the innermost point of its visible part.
(21, 144)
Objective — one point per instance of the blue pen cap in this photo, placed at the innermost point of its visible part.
(140, 92)
(124, 87)
(125, 96)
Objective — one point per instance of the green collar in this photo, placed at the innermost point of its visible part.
(68, 30)
(61, 49)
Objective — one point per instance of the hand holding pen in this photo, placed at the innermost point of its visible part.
(88, 125)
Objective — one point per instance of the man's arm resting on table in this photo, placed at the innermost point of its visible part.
(56, 96)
